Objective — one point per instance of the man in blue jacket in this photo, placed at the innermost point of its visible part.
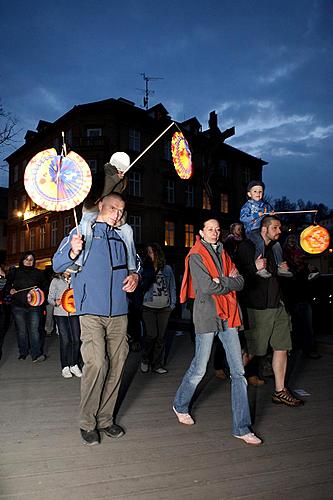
(100, 298)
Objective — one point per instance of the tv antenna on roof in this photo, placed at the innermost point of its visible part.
(147, 91)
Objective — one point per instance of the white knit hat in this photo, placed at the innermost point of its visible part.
(120, 160)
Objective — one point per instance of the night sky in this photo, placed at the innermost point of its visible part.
(265, 67)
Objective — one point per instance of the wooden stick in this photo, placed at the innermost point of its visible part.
(297, 212)
(150, 145)
(76, 223)
(63, 144)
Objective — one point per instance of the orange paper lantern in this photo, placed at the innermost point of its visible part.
(67, 300)
(181, 155)
(35, 297)
(314, 239)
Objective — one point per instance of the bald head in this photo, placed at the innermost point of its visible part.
(111, 209)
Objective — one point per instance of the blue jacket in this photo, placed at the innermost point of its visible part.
(98, 286)
(249, 214)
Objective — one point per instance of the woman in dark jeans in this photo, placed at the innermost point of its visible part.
(27, 318)
(159, 300)
(68, 326)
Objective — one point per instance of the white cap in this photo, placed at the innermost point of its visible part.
(120, 160)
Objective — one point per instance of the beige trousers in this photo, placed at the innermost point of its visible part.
(104, 350)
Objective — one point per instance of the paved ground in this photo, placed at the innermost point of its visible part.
(42, 458)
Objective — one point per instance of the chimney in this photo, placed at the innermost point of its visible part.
(212, 122)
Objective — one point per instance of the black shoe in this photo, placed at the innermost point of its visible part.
(22, 356)
(90, 437)
(313, 355)
(113, 431)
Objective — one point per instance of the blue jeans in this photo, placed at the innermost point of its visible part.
(241, 420)
(27, 322)
(69, 336)
(255, 237)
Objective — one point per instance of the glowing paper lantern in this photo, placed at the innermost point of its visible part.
(57, 182)
(67, 300)
(314, 239)
(35, 297)
(181, 155)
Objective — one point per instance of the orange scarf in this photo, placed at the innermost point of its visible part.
(226, 305)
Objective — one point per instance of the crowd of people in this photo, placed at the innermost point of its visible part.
(235, 290)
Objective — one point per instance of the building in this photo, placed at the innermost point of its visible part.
(161, 206)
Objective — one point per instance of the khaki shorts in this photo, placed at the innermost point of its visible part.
(268, 326)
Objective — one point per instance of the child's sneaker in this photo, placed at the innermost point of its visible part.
(263, 273)
(284, 272)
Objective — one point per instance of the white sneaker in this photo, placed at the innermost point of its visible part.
(76, 371)
(284, 272)
(66, 373)
(263, 273)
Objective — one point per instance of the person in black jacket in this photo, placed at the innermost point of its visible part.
(26, 317)
(267, 317)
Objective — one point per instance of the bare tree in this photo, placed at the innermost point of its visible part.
(7, 127)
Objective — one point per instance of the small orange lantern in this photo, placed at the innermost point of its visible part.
(314, 239)
(67, 300)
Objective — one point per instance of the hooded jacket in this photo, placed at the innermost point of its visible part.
(98, 286)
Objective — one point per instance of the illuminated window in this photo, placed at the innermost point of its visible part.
(170, 191)
(54, 233)
(189, 235)
(206, 204)
(189, 195)
(67, 225)
(224, 203)
(136, 223)
(169, 233)
(134, 183)
(134, 139)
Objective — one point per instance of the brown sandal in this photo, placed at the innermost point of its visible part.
(285, 397)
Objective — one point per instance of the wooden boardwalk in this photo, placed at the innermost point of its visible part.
(42, 458)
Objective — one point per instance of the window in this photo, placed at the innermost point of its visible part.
(14, 243)
(16, 173)
(54, 233)
(167, 150)
(42, 237)
(67, 225)
(94, 132)
(189, 195)
(134, 183)
(206, 204)
(169, 233)
(224, 203)
(15, 204)
(170, 191)
(24, 203)
(223, 168)
(22, 241)
(69, 136)
(189, 235)
(136, 223)
(246, 175)
(92, 165)
(134, 139)
(32, 239)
